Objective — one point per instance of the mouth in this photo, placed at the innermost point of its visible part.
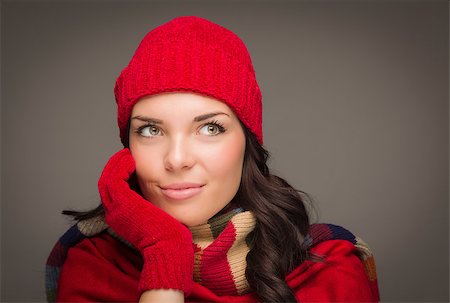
(181, 191)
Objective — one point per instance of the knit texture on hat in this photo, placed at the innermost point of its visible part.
(196, 55)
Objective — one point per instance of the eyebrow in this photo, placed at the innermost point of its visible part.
(196, 119)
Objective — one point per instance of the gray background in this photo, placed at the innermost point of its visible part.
(355, 113)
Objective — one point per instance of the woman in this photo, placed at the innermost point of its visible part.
(190, 211)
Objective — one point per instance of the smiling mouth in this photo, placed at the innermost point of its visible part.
(182, 193)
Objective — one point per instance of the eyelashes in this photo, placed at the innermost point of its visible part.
(218, 125)
(148, 130)
(145, 129)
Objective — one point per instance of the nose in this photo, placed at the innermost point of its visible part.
(179, 155)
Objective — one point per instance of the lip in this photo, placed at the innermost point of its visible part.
(181, 185)
(181, 191)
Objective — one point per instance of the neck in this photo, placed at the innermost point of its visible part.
(221, 248)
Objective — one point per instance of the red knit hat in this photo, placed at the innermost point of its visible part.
(192, 54)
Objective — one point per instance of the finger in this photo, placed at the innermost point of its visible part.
(114, 170)
(124, 166)
(120, 166)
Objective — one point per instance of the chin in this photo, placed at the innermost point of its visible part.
(192, 223)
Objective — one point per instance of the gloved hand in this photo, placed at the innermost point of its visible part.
(165, 243)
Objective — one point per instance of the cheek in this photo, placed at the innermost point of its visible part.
(227, 162)
(146, 169)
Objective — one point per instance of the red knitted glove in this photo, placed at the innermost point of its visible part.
(165, 243)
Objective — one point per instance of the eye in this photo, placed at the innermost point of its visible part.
(148, 131)
(212, 128)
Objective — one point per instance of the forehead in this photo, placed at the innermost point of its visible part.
(179, 103)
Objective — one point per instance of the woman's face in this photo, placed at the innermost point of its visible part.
(189, 152)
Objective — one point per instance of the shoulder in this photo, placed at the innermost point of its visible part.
(102, 246)
(102, 252)
(344, 272)
(336, 256)
(85, 258)
(99, 267)
(58, 255)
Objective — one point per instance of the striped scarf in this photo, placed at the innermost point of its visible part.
(221, 246)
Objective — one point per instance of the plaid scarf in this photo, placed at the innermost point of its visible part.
(221, 246)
